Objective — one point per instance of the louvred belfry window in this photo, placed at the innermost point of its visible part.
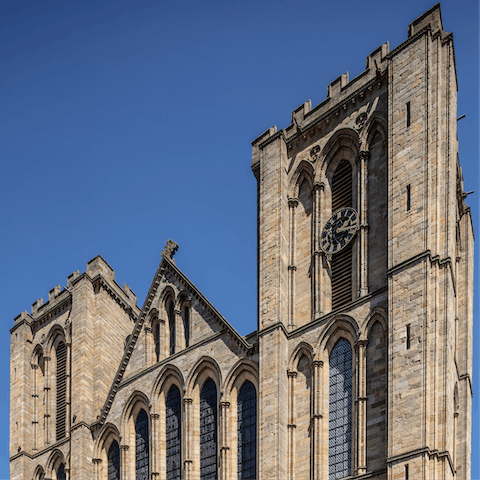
(61, 412)
(208, 431)
(173, 421)
(114, 461)
(141, 447)
(340, 411)
(247, 431)
(342, 196)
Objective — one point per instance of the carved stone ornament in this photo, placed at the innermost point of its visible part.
(360, 121)
(315, 153)
(170, 248)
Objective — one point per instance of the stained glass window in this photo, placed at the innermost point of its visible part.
(247, 431)
(141, 447)
(340, 411)
(173, 421)
(61, 475)
(114, 461)
(208, 431)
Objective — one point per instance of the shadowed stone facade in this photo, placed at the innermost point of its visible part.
(361, 366)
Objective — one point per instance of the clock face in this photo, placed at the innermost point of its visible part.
(339, 230)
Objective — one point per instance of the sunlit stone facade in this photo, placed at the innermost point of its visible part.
(361, 366)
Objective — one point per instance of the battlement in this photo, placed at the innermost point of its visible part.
(342, 92)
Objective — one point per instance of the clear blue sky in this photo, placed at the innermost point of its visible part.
(125, 123)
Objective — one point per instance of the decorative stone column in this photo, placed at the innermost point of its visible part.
(46, 389)
(318, 193)
(361, 403)
(124, 462)
(154, 448)
(362, 189)
(291, 424)
(292, 206)
(317, 366)
(224, 437)
(187, 437)
(35, 407)
(97, 468)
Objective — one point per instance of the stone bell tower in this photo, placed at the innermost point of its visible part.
(361, 204)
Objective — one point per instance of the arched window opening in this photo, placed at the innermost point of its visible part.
(156, 339)
(142, 447)
(61, 416)
(61, 475)
(171, 325)
(186, 324)
(342, 196)
(114, 461)
(208, 431)
(247, 431)
(340, 411)
(39, 475)
(173, 430)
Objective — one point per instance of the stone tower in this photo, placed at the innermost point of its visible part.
(362, 362)
(383, 146)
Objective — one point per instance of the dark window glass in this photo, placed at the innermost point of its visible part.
(186, 325)
(141, 447)
(208, 431)
(61, 413)
(156, 333)
(171, 326)
(408, 114)
(61, 475)
(247, 431)
(408, 337)
(173, 421)
(114, 461)
(340, 411)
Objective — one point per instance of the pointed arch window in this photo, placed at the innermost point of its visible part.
(340, 411)
(173, 428)
(142, 447)
(247, 431)
(208, 431)
(186, 324)
(156, 338)
(342, 196)
(61, 412)
(114, 461)
(61, 475)
(171, 325)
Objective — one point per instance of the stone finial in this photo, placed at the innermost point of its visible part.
(170, 248)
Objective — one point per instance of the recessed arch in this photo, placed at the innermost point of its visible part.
(204, 368)
(303, 348)
(345, 138)
(55, 460)
(339, 326)
(169, 374)
(304, 171)
(377, 314)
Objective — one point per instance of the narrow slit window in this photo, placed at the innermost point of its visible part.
(408, 114)
(409, 190)
(408, 337)
(406, 472)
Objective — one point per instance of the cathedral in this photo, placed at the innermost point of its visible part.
(361, 365)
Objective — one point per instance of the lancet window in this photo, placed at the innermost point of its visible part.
(247, 431)
(171, 325)
(186, 324)
(61, 475)
(113, 457)
(342, 196)
(208, 431)
(340, 411)
(173, 424)
(61, 412)
(141, 447)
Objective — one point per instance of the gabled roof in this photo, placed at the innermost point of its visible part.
(166, 264)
